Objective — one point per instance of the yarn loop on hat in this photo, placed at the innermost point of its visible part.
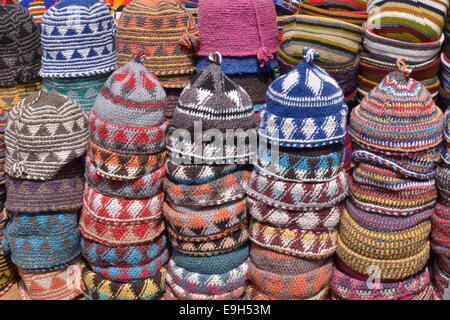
(310, 54)
(404, 67)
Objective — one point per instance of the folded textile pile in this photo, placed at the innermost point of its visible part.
(383, 243)
(296, 192)
(37, 8)
(46, 137)
(440, 234)
(205, 208)
(168, 35)
(78, 54)
(412, 29)
(247, 45)
(123, 233)
(337, 41)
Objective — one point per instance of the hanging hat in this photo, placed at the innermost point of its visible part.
(304, 108)
(77, 47)
(45, 131)
(398, 115)
(20, 50)
(167, 33)
(239, 28)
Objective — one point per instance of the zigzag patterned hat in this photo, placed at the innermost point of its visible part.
(304, 108)
(78, 39)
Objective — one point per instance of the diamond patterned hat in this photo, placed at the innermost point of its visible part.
(304, 108)
(77, 39)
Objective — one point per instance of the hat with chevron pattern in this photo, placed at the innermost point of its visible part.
(304, 108)
(77, 39)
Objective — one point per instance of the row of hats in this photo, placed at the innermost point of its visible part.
(205, 207)
(384, 231)
(297, 189)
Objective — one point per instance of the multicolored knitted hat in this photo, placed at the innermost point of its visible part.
(10, 96)
(20, 52)
(354, 11)
(170, 39)
(304, 108)
(251, 18)
(37, 8)
(45, 131)
(408, 20)
(81, 47)
(399, 104)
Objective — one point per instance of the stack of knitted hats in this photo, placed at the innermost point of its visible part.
(408, 28)
(37, 8)
(248, 45)
(78, 54)
(168, 35)
(205, 208)
(383, 243)
(353, 11)
(440, 234)
(46, 136)
(336, 39)
(296, 193)
(444, 91)
(121, 223)
(8, 273)
(284, 8)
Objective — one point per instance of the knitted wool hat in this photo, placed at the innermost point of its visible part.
(77, 47)
(349, 11)
(169, 39)
(304, 108)
(238, 65)
(43, 241)
(253, 293)
(44, 132)
(10, 96)
(37, 8)
(64, 192)
(398, 104)
(407, 20)
(252, 33)
(20, 50)
(83, 90)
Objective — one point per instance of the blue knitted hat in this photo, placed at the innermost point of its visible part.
(304, 108)
(78, 39)
(238, 65)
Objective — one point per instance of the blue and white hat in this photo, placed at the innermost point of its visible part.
(78, 39)
(304, 108)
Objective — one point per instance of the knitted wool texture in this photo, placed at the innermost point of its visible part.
(399, 104)
(42, 241)
(441, 280)
(64, 192)
(37, 8)
(10, 96)
(8, 274)
(81, 47)
(255, 84)
(20, 52)
(252, 33)
(354, 12)
(83, 90)
(238, 65)
(440, 230)
(253, 293)
(98, 288)
(304, 108)
(410, 21)
(63, 284)
(44, 132)
(170, 39)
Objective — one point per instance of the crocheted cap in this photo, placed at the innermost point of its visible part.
(20, 49)
(167, 33)
(78, 47)
(238, 28)
(45, 131)
(305, 107)
(214, 99)
(399, 115)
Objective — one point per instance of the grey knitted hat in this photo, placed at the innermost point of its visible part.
(44, 132)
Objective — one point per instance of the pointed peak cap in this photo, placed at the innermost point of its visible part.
(403, 67)
(215, 58)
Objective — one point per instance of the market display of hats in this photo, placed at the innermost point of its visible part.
(123, 233)
(78, 55)
(248, 45)
(46, 137)
(296, 191)
(205, 208)
(384, 231)
(410, 29)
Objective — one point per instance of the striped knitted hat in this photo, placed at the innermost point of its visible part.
(169, 40)
(408, 20)
(77, 47)
(252, 33)
(354, 11)
(10, 96)
(304, 108)
(37, 8)
(44, 132)
(20, 50)
(398, 104)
